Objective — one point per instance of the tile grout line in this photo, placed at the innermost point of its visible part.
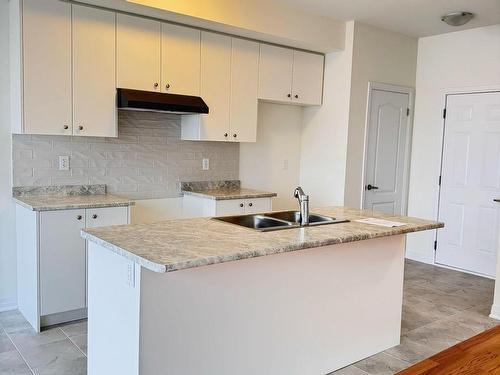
(19, 352)
(69, 338)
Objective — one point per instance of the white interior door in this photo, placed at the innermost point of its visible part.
(470, 180)
(386, 153)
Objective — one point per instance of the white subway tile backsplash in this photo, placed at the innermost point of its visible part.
(147, 160)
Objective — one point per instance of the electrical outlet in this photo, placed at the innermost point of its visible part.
(64, 163)
(205, 164)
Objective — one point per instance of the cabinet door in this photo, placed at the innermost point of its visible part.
(257, 205)
(230, 207)
(180, 60)
(94, 89)
(307, 78)
(62, 261)
(47, 67)
(215, 85)
(275, 73)
(138, 53)
(101, 217)
(244, 85)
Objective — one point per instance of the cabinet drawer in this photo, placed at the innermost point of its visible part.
(101, 217)
(242, 206)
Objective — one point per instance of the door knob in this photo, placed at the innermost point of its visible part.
(371, 187)
(250, 204)
(235, 135)
(288, 95)
(241, 204)
(296, 96)
(66, 127)
(167, 86)
(94, 216)
(225, 135)
(80, 128)
(155, 85)
(79, 217)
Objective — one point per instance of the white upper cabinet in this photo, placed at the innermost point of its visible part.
(215, 91)
(275, 73)
(138, 45)
(244, 85)
(180, 60)
(307, 81)
(290, 76)
(46, 63)
(94, 87)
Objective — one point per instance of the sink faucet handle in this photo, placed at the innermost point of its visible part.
(298, 192)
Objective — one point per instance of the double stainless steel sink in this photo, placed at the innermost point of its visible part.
(277, 220)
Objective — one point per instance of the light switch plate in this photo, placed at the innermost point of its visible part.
(64, 163)
(205, 164)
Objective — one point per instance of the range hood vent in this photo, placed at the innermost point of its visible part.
(158, 102)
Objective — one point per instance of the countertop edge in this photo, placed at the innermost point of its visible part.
(178, 266)
(229, 196)
(73, 206)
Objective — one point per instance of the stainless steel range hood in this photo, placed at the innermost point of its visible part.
(159, 102)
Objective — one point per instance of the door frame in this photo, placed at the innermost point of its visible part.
(372, 86)
(444, 95)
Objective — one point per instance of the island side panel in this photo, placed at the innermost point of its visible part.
(305, 312)
(113, 313)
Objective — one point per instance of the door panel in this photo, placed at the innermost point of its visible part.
(180, 60)
(258, 205)
(470, 179)
(244, 85)
(101, 217)
(386, 151)
(62, 261)
(47, 67)
(307, 81)
(94, 86)
(275, 73)
(138, 44)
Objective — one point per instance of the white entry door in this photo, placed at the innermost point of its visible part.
(470, 180)
(386, 152)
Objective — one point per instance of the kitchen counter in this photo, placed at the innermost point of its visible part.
(67, 197)
(222, 190)
(180, 244)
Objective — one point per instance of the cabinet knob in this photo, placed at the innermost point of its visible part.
(80, 128)
(235, 135)
(66, 127)
(155, 85)
(250, 204)
(94, 216)
(225, 135)
(288, 95)
(79, 217)
(167, 86)
(241, 204)
(296, 96)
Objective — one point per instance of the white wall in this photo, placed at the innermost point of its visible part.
(7, 213)
(378, 56)
(324, 131)
(262, 164)
(461, 59)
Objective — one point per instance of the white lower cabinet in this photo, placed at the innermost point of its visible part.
(198, 206)
(51, 246)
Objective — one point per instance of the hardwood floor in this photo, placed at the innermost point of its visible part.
(477, 355)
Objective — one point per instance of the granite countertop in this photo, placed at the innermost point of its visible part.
(66, 197)
(222, 190)
(229, 193)
(180, 244)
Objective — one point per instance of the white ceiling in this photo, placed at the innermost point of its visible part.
(411, 17)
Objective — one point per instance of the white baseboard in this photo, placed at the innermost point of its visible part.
(7, 304)
(419, 256)
(495, 312)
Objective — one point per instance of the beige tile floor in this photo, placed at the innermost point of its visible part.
(440, 308)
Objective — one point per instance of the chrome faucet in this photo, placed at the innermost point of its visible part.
(304, 205)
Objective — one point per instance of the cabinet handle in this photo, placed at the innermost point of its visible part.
(66, 127)
(250, 204)
(167, 86)
(235, 135)
(79, 217)
(288, 95)
(155, 85)
(296, 96)
(241, 204)
(94, 216)
(80, 128)
(225, 135)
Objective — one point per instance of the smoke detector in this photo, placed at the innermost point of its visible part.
(457, 18)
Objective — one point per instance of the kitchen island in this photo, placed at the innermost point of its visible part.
(297, 301)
